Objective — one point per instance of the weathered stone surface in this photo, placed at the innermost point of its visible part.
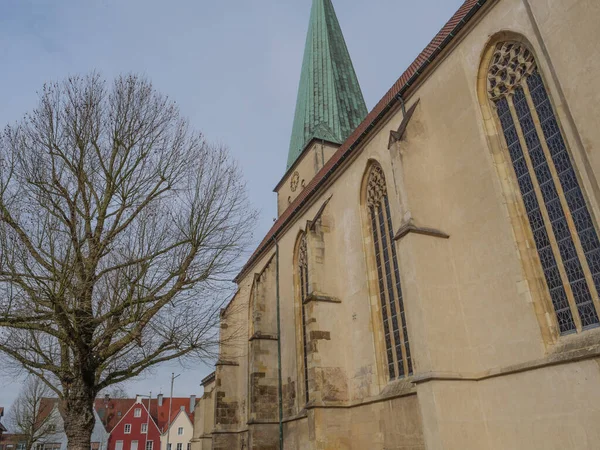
(490, 370)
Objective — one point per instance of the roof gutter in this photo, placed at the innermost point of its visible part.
(474, 9)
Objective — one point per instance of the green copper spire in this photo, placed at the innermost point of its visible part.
(330, 103)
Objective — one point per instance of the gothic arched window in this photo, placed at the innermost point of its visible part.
(399, 359)
(562, 227)
(303, 282)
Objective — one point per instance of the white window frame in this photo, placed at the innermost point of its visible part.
(180, 431)
(179, 446)
(119, 445)
(144, 428)
(132, 447)
(127, 428)
(137, 412)
(149, 445)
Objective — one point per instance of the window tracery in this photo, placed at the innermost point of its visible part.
(399, 360)
(563, 230)
(303, 279)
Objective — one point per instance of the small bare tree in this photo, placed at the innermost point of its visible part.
(119, 228)
(30, 414)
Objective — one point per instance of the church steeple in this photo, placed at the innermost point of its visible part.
(330, 103)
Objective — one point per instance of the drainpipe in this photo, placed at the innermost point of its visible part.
(280, 388)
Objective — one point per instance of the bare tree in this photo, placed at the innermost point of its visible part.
(116, 391)
(30, 414)
(119, 228)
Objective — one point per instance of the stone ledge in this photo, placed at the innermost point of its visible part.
(320, 298)
(262, 422)
(555, 358)
(223, 362)
(410, 227)
(222, 432)
(301, 415)
(394, 389)
(258, 336)
(199, 438)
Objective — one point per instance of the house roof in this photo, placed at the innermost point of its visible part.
(330, 104)
(160, 414)
(45, 409)
(468, 9)
(113, 412)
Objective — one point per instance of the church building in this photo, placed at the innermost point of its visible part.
(432, 279)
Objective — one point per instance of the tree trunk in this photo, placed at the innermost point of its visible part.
(78, 415)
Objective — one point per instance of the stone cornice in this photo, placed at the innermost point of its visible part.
(552, 359)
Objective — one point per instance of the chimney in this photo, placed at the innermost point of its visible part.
(138, 399)
(192, 403)
(160, 399)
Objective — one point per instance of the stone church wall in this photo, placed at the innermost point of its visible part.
(491, 373)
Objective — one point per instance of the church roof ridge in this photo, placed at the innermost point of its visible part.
(330, 103)
(448, 32)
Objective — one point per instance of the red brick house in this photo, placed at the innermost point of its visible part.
(136, 430)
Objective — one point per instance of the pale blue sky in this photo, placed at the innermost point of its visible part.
(233, 66)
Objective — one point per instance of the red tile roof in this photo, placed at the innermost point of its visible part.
(45, 408)
(408, 78)
(160, 414)
(111, 413)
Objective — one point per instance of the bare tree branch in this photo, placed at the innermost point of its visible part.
(30, 413)
(118, 225)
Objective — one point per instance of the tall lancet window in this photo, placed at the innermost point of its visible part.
(390, 293)
(562, 227)
(303, 280)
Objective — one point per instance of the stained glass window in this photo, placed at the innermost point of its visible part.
(399, 361)
(563, 230)
(303, 277)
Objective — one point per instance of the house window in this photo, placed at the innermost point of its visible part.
(144, 428)
(134, 445)
(127, 429)
(399, 361)
(180, 432)
(179, 446)
(137, 412)
(189, 446)
(21, 445)
(169, 446)
(149, 445)
(119, 445)
(562, 227)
